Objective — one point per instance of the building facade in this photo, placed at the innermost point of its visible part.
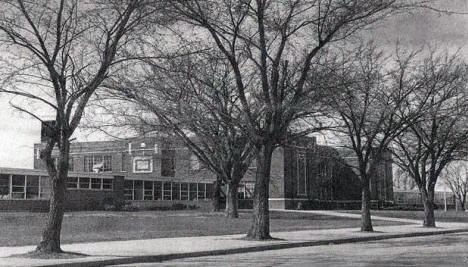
(161, 171)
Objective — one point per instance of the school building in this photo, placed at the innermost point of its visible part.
(160, 170)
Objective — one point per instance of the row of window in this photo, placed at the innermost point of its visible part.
(14, 186)
(89, 183)
(166, 190)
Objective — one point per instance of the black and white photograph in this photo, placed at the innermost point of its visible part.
(234, 133)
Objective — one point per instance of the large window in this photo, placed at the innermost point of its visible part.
(184, 192)
(157, 190)
(167, 191)
(98, 163)
(301, 174)
(18, 186)
(22, 187)
(168, 162)
(89, 183)
(201, 191)
(32, 187)
(175, 191)
(193, 191)
(148, 193)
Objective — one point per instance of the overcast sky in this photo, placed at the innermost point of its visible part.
(18, 132)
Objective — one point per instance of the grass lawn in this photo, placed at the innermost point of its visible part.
(441, 215)
(24, 228)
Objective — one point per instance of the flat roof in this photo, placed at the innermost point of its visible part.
(21, 171)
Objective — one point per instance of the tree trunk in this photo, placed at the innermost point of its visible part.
(428, 203)
(260, 229)
(366, 221)
(231, 200)
(50, 242)
(216, 200)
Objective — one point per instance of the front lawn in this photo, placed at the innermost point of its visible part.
(24, 228)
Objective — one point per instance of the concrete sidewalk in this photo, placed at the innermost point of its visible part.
(153, 250)
(354, 216)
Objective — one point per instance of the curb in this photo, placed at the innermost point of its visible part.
(174, 256)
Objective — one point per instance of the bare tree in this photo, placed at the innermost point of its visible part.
(441, 133)
(455, 177)
(371, 104)
(271, 46)
(56, 54)
(194, 96)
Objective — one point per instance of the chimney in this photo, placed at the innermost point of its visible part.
(46, 130)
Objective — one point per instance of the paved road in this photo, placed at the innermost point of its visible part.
(441, 250)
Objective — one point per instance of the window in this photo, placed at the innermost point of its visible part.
(84, 183)
(4, 186)
(142, 164)
(96, 183)
(107, 163)
(148, 193)
(88, 163)
(72, 183)
(193, 191)
(209, 190)
(245, 190)
(18, 186)
(128, 189)
(167, 162)
(184, 191)
(23, 187)
(157, 190)
(194, 162)
(107, 184)
(201, 191)
(32, 187)
(167, 192)
(175, 191)
(301, 174)
(137, 190)
(98, 163)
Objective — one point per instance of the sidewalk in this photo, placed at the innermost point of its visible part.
(151, 250)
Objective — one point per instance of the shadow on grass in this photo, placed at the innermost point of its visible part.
(42, 255)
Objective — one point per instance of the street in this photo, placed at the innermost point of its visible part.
(438, 250)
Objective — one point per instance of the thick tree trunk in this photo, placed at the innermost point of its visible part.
(366, 221)
(462, 204)
(260, 229)
(50, 242)
(216, 200)
(231, 200)
(428, 203)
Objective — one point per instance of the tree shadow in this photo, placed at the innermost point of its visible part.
(54, 255)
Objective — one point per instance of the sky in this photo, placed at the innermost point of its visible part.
(18, 132)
